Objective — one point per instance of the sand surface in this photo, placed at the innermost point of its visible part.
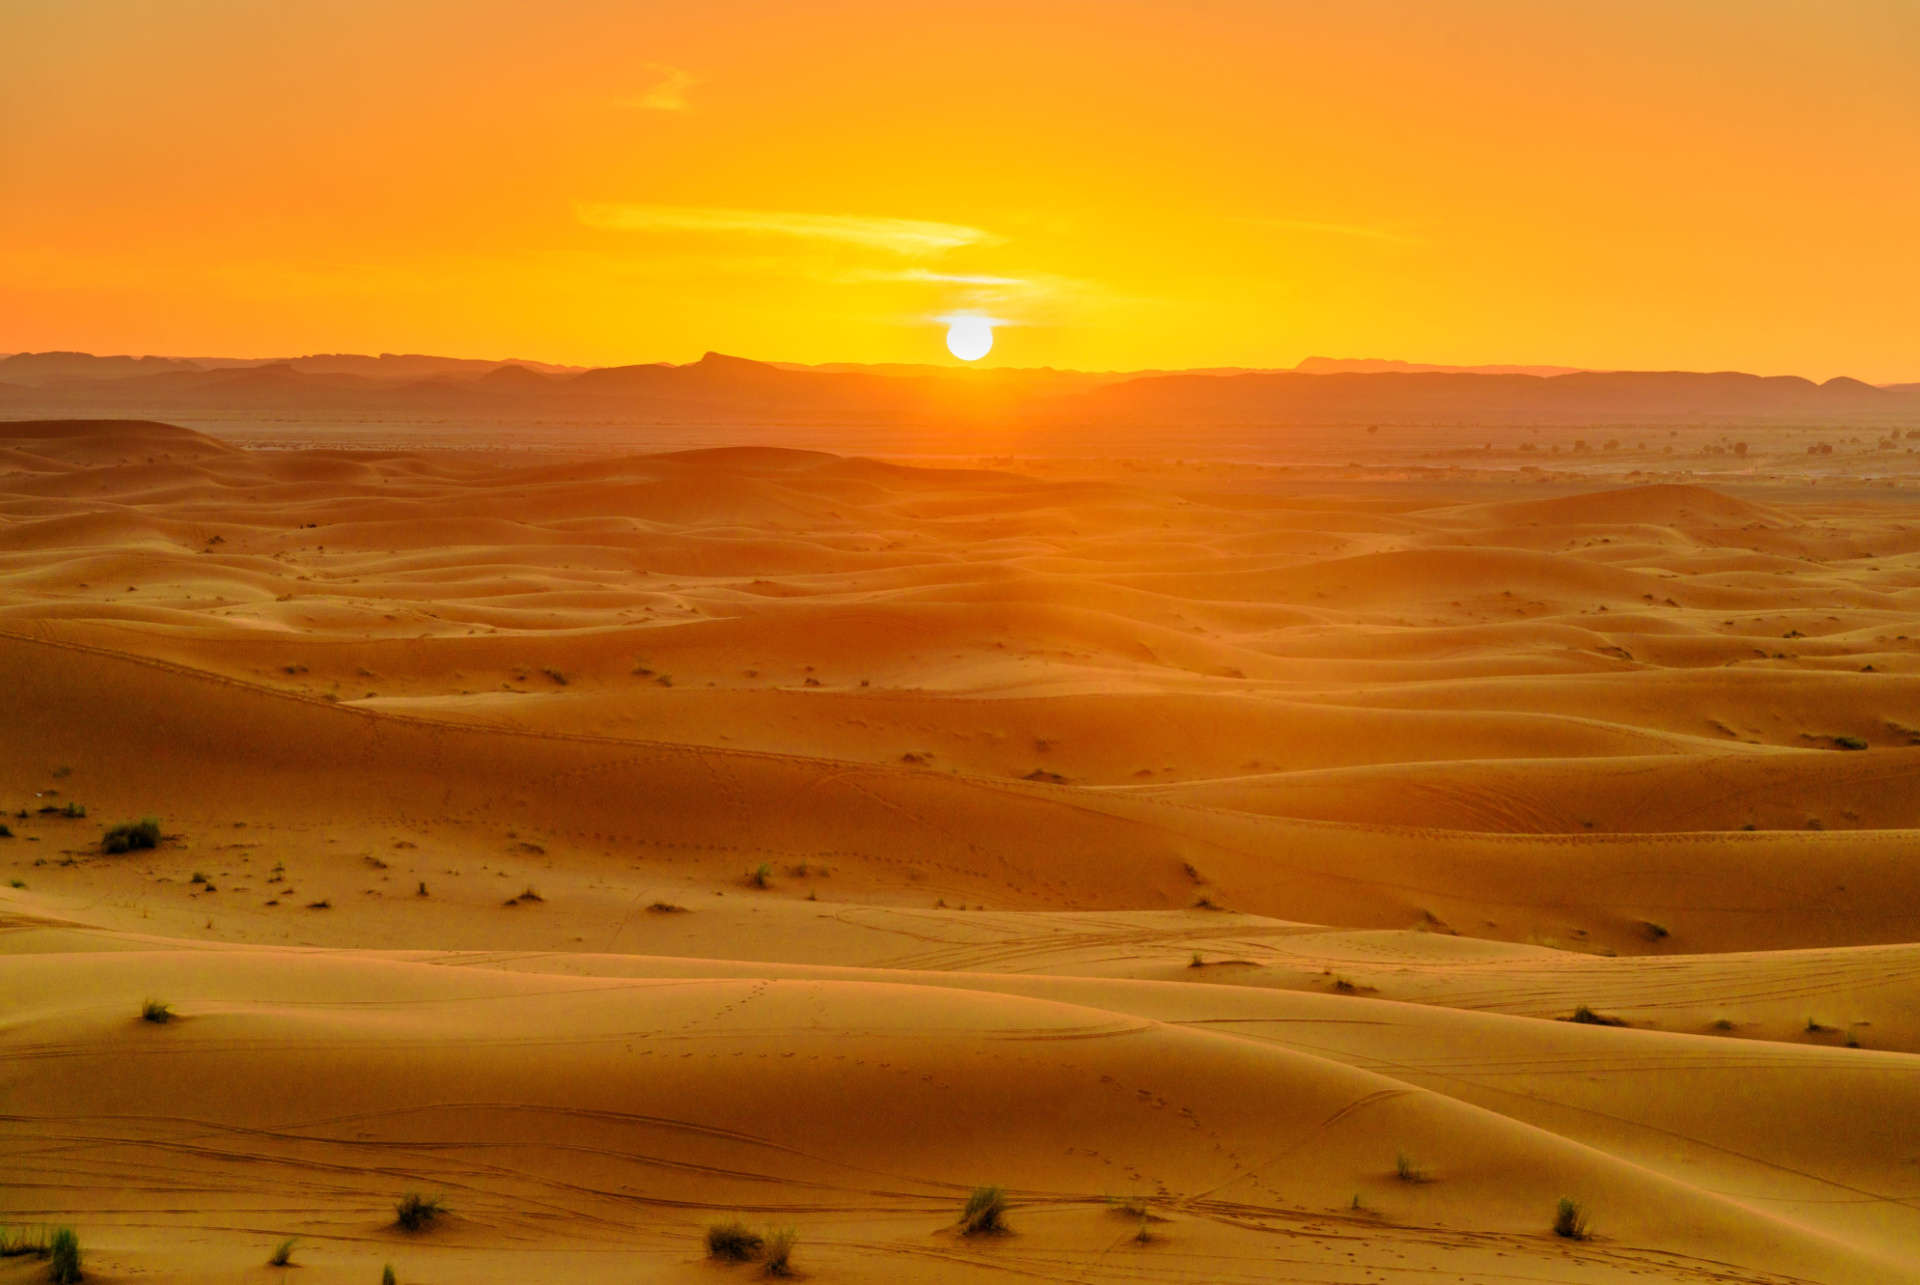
(1205, 837)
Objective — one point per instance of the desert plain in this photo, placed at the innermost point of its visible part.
(1210, 844)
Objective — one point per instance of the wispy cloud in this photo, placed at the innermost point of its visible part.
(668, 92)
(1360, 231)
(930, 277)
(898, 236)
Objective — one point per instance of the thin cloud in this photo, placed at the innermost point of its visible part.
(1358, 230)
(898, 236)
(669, 91)
(928, 276)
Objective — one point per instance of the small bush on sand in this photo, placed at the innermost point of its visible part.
(1587, 1017)
(282, 1255)
(415, 1211)
(1570, 1219)
(985, 1211)
(64, 1251)
(732, 1241)
(387, 1277)
(760, 875)
(778, 1255)
(157, 1011)
(1406, 1170)
(131, 835)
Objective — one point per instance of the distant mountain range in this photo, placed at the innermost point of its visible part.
(720, 389)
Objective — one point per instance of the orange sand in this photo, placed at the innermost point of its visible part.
(1203, 833)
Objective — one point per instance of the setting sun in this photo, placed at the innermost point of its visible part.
(970, 338)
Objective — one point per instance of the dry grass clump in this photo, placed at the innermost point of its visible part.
(131, 835)
(282, 1254)
(733, 1241)
(777, 1259)
(157, 1011)
(415, 1211)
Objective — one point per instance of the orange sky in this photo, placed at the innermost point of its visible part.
(1666, 183)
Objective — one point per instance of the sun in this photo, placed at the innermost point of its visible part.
(970, 338)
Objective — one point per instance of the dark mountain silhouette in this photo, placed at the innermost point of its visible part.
(722, 389)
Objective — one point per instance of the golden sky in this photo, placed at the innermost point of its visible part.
(1700, 184)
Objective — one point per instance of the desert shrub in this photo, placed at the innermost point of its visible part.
(64, 1252)
(778, 1254)
(415, 1211)
(130, 835)
(1587, 1017)
(1570, 1219)
(282, 1255)
(760, 875)
(1406, 1170)
(6, 831)
(156, 1011)
(985, 1211)
(1850, 742)
(387, 1277)
(732, 1241)
(74, 810)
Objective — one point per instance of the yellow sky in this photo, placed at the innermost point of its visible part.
(1635, 183)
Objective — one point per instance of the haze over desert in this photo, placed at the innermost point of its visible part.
(1104, 644)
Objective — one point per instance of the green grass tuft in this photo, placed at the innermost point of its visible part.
(1570, 1219)
(387, 1276)
(1406, 1170)
(129, 836)
(760, 875)
(282, 1255)
(64, 1252)
(985, 1211)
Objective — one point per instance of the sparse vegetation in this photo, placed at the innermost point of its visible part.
(666, 908)
(733, 1241)
(415, 1211)
(1850, 742)
(282, 1254)
(558, 677)
(322, 904)
(64, 1252)
(1654, 931)
(1587, 1017)
(1570, 1219)
(1197, 961)
(387, 1276)
(130, 835)
(159, 1012)
(779, 1251)
(761, 875)
(1406, 1170)
(985, 1212)
(77, 810)
(16, 1242)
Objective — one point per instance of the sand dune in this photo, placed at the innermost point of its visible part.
(1204, 835)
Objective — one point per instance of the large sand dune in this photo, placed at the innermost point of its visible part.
(1206, 835)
